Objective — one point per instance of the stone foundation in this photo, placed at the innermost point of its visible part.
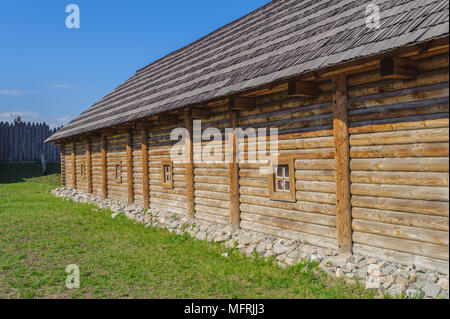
(391, 278)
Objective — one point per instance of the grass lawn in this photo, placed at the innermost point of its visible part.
(41, 234)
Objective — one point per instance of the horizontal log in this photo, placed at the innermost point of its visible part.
(316, 197)
(402, 245)
(290, 234)
(434, 164)
(212, 195)
(253, 182)
(213, 203)
(212, 187)
(309, 218)
(175, 210)
(211, 212)
(212, 180)
(434, 236)
(211, 172)
(401, 218)
(302, 227)
(169, 203)
(401, 137)
(432, 193)
(402, 150)
(406, 259)
(313, 186)
(402, 205)
(323, 176)
(212, 218)
(400, 178)
(314, 164)
(308, 207)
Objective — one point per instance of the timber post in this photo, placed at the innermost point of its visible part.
(89, 166)
(129, 149)
(104, 172)
(145, 181)
(189, 164)
(234, 168)
(74, 169)
(63, 166)
(342, 164)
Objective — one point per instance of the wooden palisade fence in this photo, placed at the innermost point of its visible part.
(21, 142)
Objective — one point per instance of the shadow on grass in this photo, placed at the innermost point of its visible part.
(18, 172)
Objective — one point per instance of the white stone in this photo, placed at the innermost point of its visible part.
(443, 283)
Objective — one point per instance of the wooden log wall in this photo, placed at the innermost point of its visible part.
(399, 165)
(399, 172)
(68, 164)
(159, 146)
(80, 160)
(117, 155)
(212, 180)
(96, 162)
(137, 168)
(306, 132)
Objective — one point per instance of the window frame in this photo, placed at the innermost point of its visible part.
(118, 179)
(286, 196)
(164, 164)
(83, 172)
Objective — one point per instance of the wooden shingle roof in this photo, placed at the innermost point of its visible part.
(282, 39)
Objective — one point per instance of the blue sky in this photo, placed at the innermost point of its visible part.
(51, 73)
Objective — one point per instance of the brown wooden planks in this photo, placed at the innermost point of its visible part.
(342, 163)
(234, 170)
(145, 173)
(189, 164)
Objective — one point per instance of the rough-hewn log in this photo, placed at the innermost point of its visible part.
(201, 113)
(104, 167)
(430, 193)
(431, 236)
(427, 164)
(145, 173)
(402, 245)
(189, 164)
(63, 166)
(167, 119)
(401, 218)
(401, 137)
(401, 178)
(234, 170)
(302, 88)
(342, 163)
(242, 103)
(401, 150)
(74, 171)
(89, 166)
(397, 68)
(129, 149)
(403, 205)
(406, 259)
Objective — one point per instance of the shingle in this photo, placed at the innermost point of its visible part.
(282, 39)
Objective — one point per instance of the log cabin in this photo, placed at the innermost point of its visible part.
(362, 119)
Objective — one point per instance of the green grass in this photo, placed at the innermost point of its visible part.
(41, 234)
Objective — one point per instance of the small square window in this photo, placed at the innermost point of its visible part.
(281, 180)
(83, 170)
(167, 174)
(118, 172)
